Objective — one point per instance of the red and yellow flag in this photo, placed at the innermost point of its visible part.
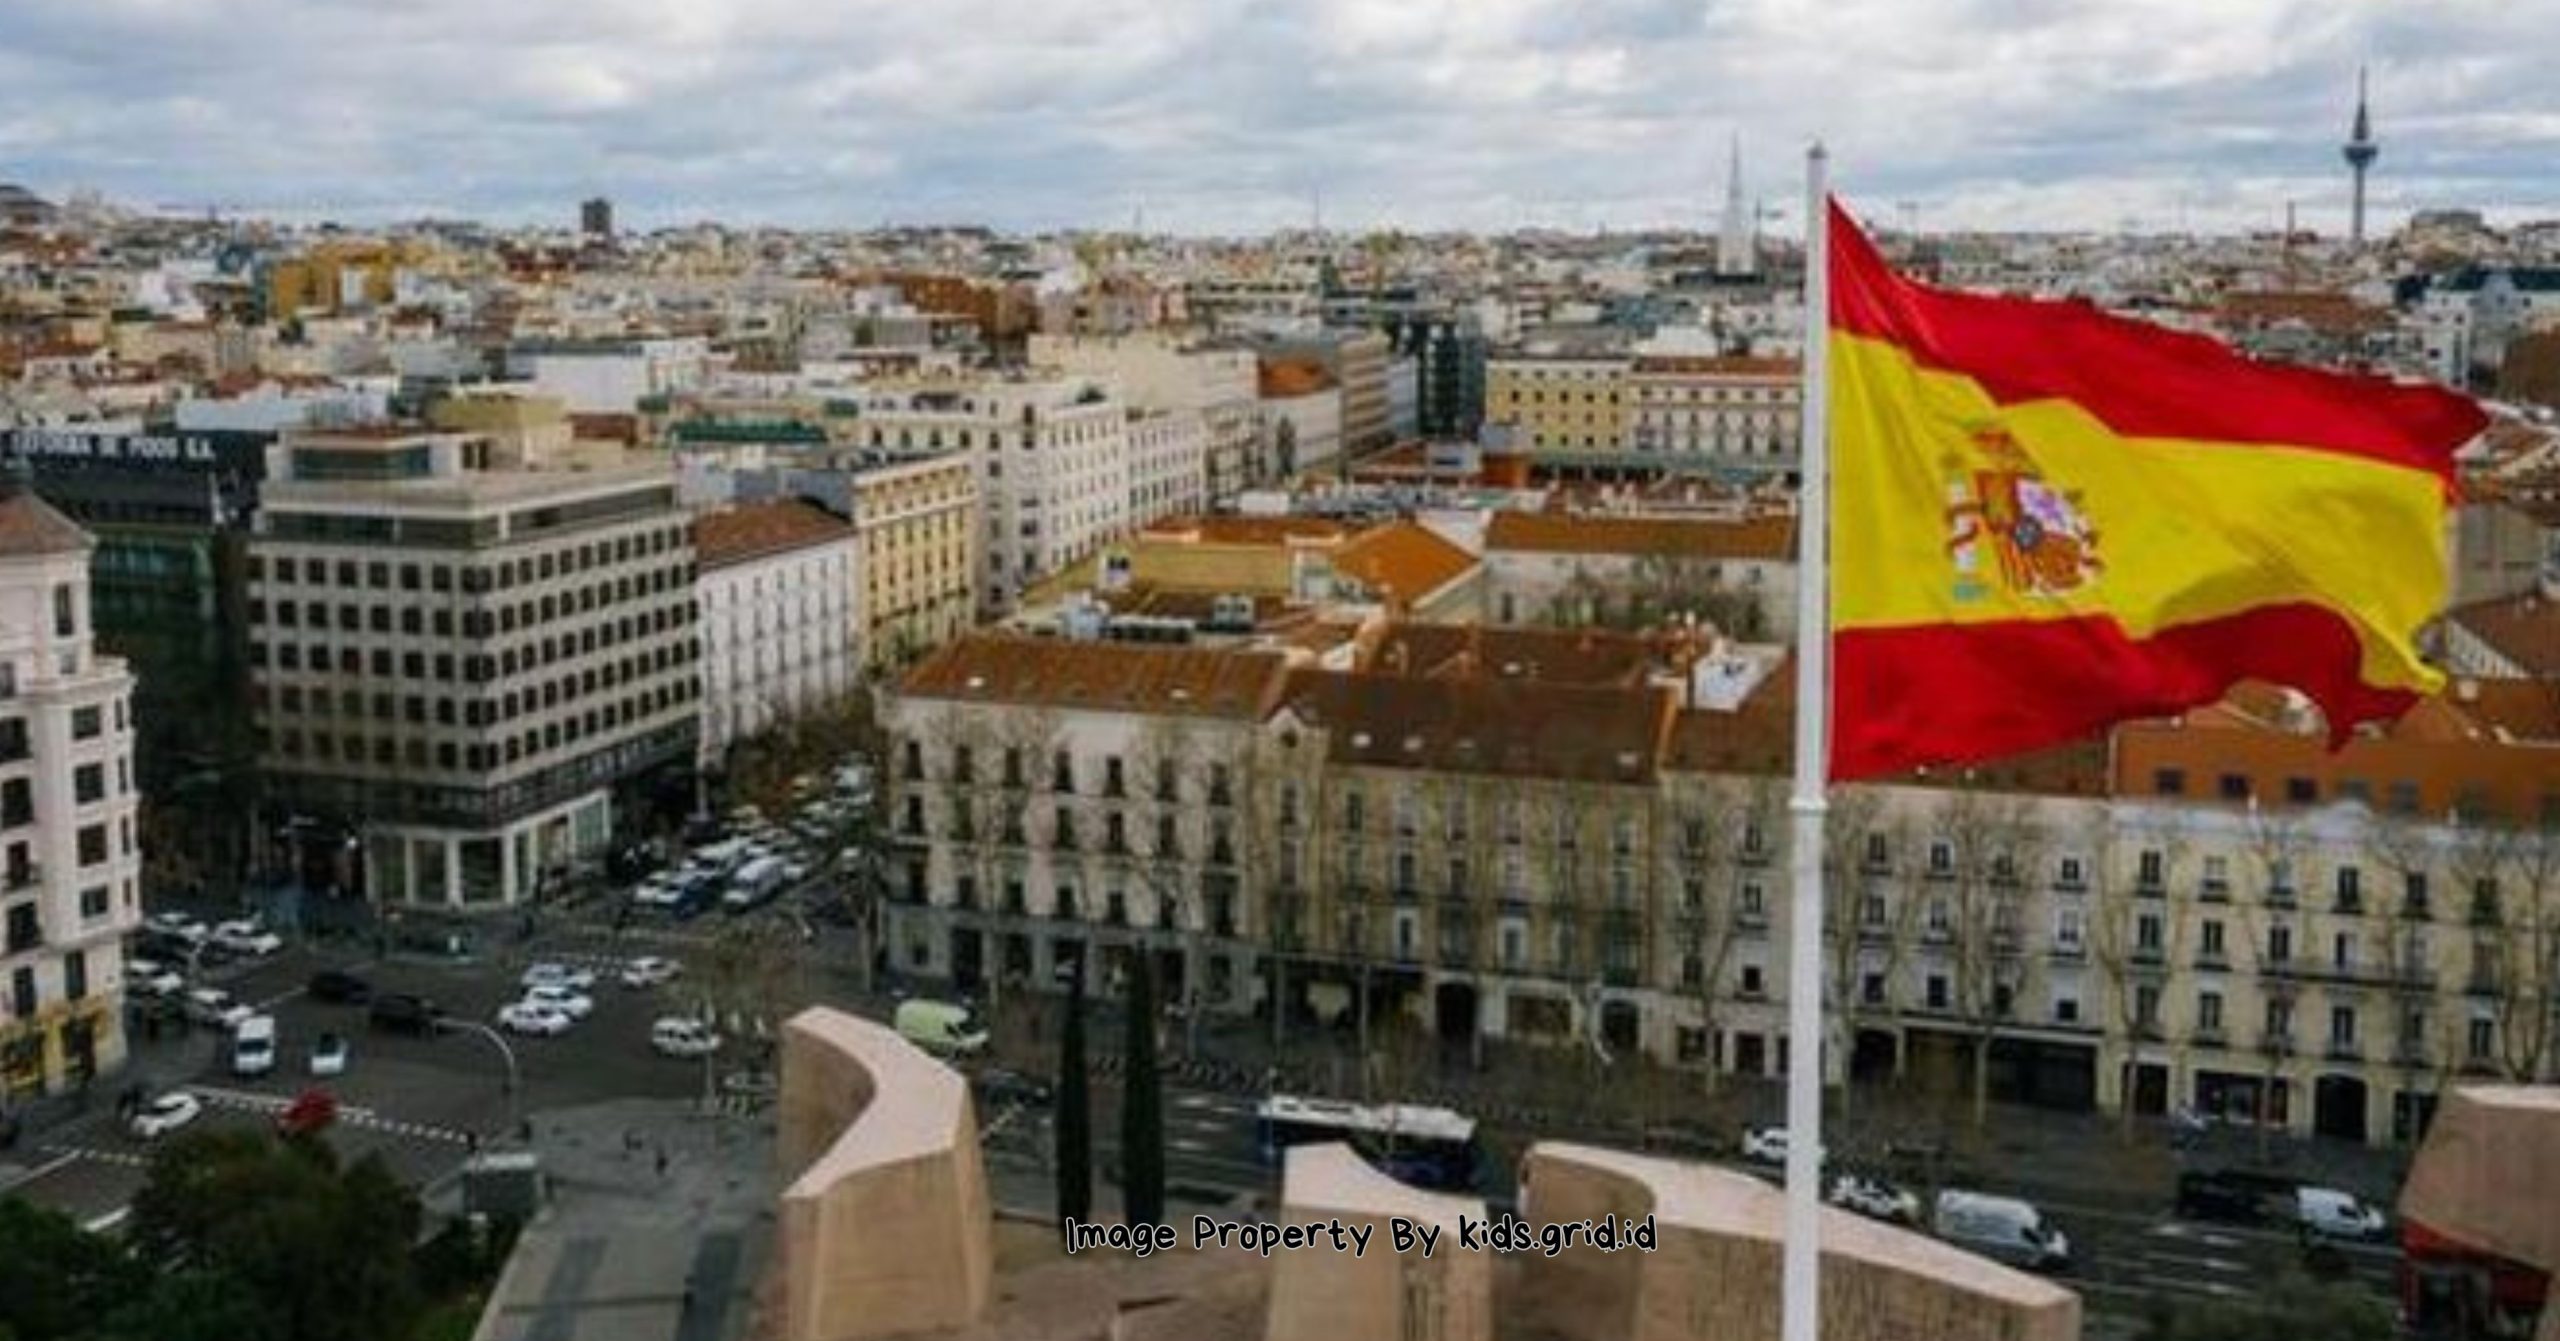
(2045, 519)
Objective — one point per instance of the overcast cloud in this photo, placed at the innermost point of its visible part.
(1233, 115)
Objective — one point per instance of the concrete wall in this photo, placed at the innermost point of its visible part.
(1715, 1274)
(886, 1226)
(1381, 1294)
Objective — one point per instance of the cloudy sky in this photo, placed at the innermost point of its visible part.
(1235, 115)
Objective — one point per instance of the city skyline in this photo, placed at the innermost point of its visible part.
(1222, 118)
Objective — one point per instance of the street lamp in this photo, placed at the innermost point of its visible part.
(505, 1051)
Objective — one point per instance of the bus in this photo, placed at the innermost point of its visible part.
(1426, 1147)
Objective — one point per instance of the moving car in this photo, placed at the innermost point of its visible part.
(1874, 1198)
(159, 1117)
(214, 1006)
(2238, 1197)
(677, 1036)
(575, 1005)
(649, 971)
(338, 987)
(328, 1055)
(755, 882)
(527, 1017)
(253, 1046)
(941, 1027)
(405, 1011)
(311, 1111)
(2003, 1229)
(2327, 1213)
(998, 1087)
(551, 974)
(247, 937)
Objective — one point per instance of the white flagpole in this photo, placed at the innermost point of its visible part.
(1803, 1249)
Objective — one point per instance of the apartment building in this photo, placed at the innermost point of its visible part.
(1053, 463)
(1632, 570)
(1728, 414)
(1356, 362)
(1579, 837)
(1168, 464)
(918, 521)
(69, 866)
(1165, 371)
(465, 661)
(778, 585)
(1559, 405)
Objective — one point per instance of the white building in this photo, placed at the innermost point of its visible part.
(1157, 370)
(776, 584)
(612, 376)
(463, 661)
(1168, 465)
(1053, 463)
(69, 868)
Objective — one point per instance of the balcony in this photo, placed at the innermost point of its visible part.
(2068, 952)
(1617, 976)
(2482, 982)
(2214, 891)
(2208, 1037)
(2214, 961)
(25, 877)
(2410, 1053)
(2280, 896)
(2348, 905)
(2150, 887)
(2485, 913)
(2147, 956)
(2416, 910)
(1746, 919)
(2344, 1050)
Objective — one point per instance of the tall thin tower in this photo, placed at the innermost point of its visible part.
(2360, 150)
(1733, 244)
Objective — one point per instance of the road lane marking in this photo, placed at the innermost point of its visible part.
(39, 1171)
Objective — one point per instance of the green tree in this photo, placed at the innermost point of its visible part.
(1074, 1130)
(56, 1279)
(323, 1251)
(1142, 1102)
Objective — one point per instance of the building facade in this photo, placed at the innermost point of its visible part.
(1730, 415)
(778, 586)
(918, 518)
(465, 662)
(1559, 406)
(70, 867)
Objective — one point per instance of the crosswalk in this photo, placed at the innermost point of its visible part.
(269, 1105)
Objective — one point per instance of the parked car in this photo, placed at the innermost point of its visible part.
(404, 1011)
(679, 1036)
(650, 971)
(1875, 1198)
(2327, 1213)
(1765, 1145)
(151, 978)
(338, 987)
(999, 1086)
(160, 1116)
(176, 927)
(328, 1055)
(658, 891)
(2003, 1229)
(247, 937)
(527, 1017)
(575, 1005)
(253, 1046)
(551, 974)
(214, 1006)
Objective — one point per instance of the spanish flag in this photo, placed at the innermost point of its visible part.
(2046, 519)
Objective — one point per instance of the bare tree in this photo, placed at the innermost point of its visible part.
(1703, 838)
(1989, 841)
(2517, 920)
(1868, 929)
(2136, 930)
(2279, 845)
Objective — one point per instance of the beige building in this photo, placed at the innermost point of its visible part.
(1579, 836)
(1559, 405)
(69, 867)
(918, 520)
(777, 585)
(464, 661)
(1736, 415)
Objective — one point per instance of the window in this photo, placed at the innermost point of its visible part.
(2480, 1040)
(1752, 982)
(89, 783)
(2342, 950)
(2146, 1006)
(93, 844)
(1942, 856)
(93, 902)
(75, 975)
(2279, 1018)
(2234, 786)
(22, 990)
(2147, 869)
(1871, 989)
(2350, 889)
(2208, 1012)
(1871, 910)
(2301, 791)
(66, 616)
(87, 723)
(2072, 874)
(2169, 781)
(1937, 991)
(2342, 1028)
(2146, 933)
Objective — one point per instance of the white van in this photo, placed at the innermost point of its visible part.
(941, 1027)
(253, 1046)
(754, 883)
(2003, 1229)
(678, 1036)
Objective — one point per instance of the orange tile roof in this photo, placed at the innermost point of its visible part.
(30, 526)
(759, 530)
(2335, 313)
(2524, 629)
(1402, 562)
(1103, 677)
(1762, 538)
(1215, 530)
(1282, 379)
